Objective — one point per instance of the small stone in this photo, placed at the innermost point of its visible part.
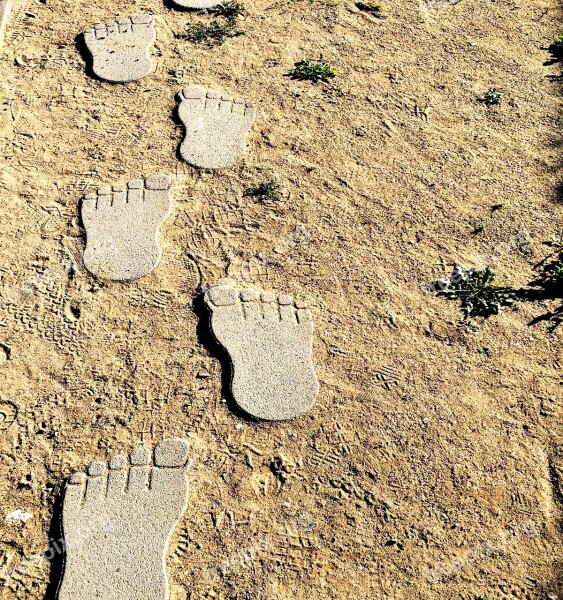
(18, 518)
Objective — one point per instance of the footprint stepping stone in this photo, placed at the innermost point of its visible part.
(216, 127)
(120, 49)
(269, 340)
(117, 520)
(122, 226)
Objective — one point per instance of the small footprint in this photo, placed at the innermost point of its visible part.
(269, 340)
(8, 414)
(216, 127)
(120, 49)
(117, 523)
(122, 225)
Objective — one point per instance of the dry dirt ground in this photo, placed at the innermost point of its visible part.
(431, 465)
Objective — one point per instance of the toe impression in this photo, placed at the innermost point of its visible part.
(221, 295)
(172, 453)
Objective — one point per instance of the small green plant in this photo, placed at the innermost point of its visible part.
(268, 191)
(477, 291)
(370, 7)
(307, 70)
(217, 31)
(491, 97)
(230, 11)
(480, 296)
(213, 34)
(557, 271)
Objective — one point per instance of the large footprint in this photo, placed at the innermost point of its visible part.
(120, 49)
(216, 127)
(122, 225)
(269, 340)
(117, 523)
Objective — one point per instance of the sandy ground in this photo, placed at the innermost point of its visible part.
(432, 464)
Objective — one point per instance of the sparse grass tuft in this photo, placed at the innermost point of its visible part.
(556, 271)
(307, 70)
(268, 191)
(491, 97)
(217, 31)
(213, 34)
(230, 11)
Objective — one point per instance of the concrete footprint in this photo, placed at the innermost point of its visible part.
(269, 340)
(117, 522)
(216, 127)
(122, 226)
(120, 49)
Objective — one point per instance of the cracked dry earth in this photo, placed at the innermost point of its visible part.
(431, 464)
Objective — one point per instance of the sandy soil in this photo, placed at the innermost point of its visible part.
(432, 463)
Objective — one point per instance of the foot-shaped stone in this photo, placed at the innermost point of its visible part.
(117, 523)
(120, 49)
(216, 127)
(269, 340)
(122, 225)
